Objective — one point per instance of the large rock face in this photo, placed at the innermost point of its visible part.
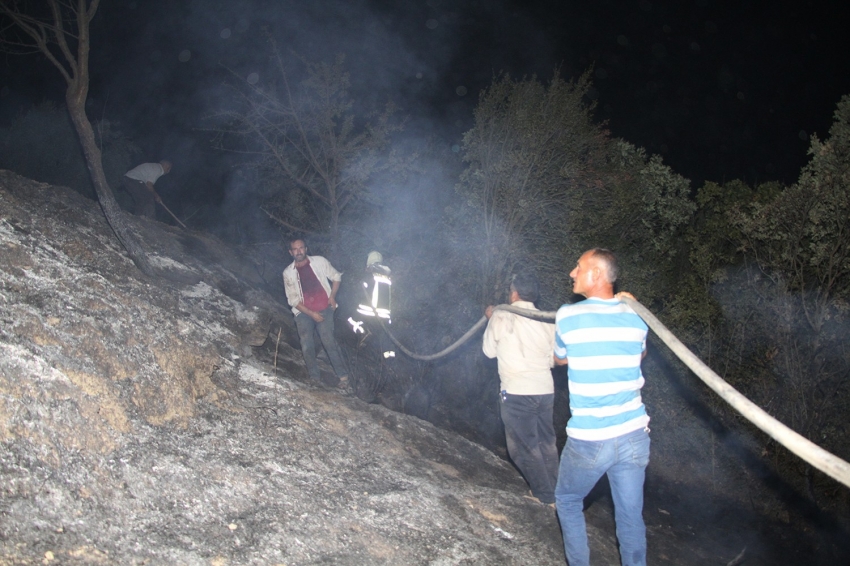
(138, 426)
(171, 421)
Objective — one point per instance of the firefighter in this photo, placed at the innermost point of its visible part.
(375, 302)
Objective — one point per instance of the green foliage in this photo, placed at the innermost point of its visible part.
(713, 246)
(666, 205)
(42, 144)
(649, 211)
(544, 183)
(774, 263)
(801, 239)
(636, 206)
(531, 143)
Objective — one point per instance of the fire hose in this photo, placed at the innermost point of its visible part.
(824, 461)
(539, 315)
(821, 459)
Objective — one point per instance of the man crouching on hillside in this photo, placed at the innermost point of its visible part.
(311, 284)
(603, 341)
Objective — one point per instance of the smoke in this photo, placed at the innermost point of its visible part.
(160, 69)
(166, 62)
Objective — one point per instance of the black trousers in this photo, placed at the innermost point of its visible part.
(144, 203)
(530, 435)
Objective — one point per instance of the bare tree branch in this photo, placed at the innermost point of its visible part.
(311, 152)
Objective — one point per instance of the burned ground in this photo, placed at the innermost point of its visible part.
(138, 426)
(170, 421)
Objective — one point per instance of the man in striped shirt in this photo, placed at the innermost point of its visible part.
(602, 341)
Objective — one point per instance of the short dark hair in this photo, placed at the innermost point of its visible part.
(608, 258)
(295, 239)
(525, 283)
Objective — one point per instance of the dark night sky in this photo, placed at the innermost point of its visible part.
(722, 90)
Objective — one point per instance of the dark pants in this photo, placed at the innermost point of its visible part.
(306, 327)
(531, 441)
(144, 203)
(379, 338)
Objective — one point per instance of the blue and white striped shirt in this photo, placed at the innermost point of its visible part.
(603, 341)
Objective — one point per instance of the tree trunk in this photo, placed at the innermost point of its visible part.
(55, 31)
(75, 98)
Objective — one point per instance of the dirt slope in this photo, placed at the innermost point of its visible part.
(137, 426)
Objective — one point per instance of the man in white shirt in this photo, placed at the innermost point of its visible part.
(523, 348)
(311, 284)
(139, 182)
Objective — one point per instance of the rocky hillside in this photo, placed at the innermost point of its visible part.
(139, 424)
(171, 421)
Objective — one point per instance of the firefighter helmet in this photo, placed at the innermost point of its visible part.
(374, 257)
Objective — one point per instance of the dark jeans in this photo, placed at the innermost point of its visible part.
(144, 203)
(531, 441)
(306, 326)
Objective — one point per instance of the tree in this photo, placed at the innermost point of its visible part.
(544, 183)
(60, 31)
(312, 157)
(800, 243)
(638, 207)
(530, 146)
(714, 251)
(803, 236)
